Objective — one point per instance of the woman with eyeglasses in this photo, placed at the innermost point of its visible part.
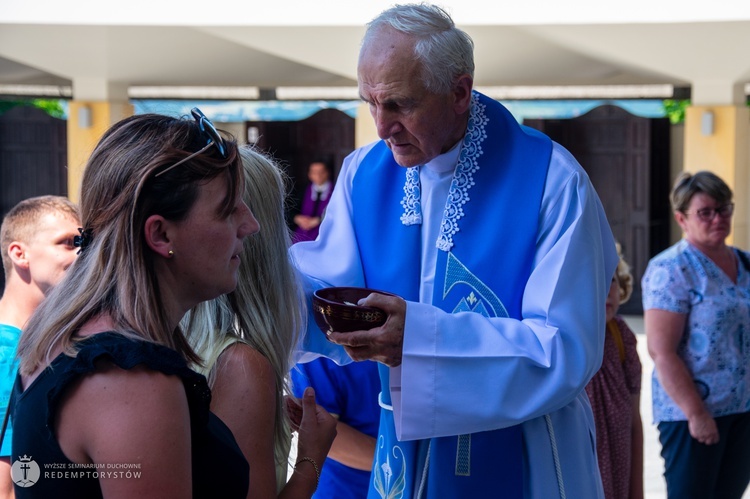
(105, 404)
(696, 301)
(246, 340)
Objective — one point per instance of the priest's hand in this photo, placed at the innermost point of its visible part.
(383, 344)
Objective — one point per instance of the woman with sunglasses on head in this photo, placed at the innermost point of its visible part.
(696, 301)
(105, 404)
(246, 339)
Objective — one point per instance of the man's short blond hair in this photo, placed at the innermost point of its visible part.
(20, 223)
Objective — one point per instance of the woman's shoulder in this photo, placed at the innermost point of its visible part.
(99, 353)
(744, 257)
(673, 255)
(678, 263)
(124, 415)
(244, 389)
(137, 384)
(126, 352)
(125, 359)
(243, 361)
(111, 376)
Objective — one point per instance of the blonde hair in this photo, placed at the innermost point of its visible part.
(624, 277)
(267, 309)
(114, 273)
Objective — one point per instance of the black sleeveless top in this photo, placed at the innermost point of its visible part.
(40, 469)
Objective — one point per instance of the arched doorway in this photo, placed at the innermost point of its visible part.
(327, 134)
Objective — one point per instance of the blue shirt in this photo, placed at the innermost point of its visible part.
(9, 336)
(716, 343)
(351, 393)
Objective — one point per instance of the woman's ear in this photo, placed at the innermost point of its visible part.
(156, 234)
(681, 219)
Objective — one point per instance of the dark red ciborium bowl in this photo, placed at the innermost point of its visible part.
(336, 309)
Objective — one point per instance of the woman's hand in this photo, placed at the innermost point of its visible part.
(314, 425)
(316, 429)
(703, 428)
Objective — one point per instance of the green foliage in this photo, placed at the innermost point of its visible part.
(7, 105)
(53, 107)
(674, 109)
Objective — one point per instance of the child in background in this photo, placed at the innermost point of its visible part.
(614, 392)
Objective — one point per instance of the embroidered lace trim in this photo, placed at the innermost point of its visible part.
(463, 180)
(412, 193)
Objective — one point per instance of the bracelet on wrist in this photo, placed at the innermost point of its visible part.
(315, 465)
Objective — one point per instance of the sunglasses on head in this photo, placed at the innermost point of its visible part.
(212, 136)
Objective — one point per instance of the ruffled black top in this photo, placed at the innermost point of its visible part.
(40, 469)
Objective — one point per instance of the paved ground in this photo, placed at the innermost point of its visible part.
(653, 466)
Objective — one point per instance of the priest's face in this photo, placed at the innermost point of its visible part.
(416, 124)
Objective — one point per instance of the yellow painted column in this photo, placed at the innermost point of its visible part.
(364, 127)
(716, 139)
(87, 122)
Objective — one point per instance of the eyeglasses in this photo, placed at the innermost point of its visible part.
(212, 135)
(708, 214)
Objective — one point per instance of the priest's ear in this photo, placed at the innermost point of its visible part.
(461, 93)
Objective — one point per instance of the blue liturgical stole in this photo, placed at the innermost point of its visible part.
(488, 239)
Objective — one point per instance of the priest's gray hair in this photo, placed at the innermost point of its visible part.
(445, 51)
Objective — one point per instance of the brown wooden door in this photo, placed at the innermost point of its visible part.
(326, 135)
(627, 159)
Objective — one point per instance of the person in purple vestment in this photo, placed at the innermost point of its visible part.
(314, 201)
